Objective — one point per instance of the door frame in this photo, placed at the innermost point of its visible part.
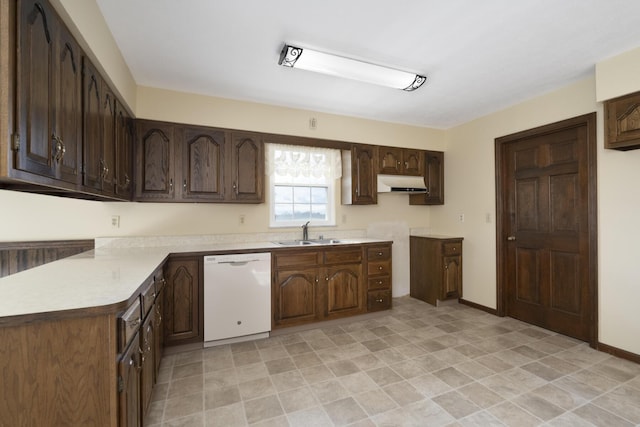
(502, 231)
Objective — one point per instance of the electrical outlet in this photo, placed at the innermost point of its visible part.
(487, 218)
(461, 217)
(313, 123)
(115, 221)
(241, 219)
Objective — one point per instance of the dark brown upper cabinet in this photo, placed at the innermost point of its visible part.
(99, 132)
(622, 122)
(359, 177)
(400, 161)
(155, 154)
(124, 137)
(434, 179)
(247, 168)
(203, 165)
(48, 137)
(211, 165)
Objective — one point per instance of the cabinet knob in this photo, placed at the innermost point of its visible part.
(379, 253)
(380, 300)
(60, 148)
(171, 184)
(511, 238)
(380, 268)
(184, 185)
(379, 282)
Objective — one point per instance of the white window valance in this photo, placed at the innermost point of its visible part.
(303, 165)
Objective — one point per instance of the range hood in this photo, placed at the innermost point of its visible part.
(401, 184)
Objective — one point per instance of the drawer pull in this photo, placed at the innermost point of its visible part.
(379, 282)
(380, 268)
(379, 253)
(380, 300)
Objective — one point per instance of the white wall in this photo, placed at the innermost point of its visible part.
(470, 189)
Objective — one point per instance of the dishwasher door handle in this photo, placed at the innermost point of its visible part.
(237, 263)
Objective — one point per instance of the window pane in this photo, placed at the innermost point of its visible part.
(283, 194)
(301, 195)
(283, 212)
(301, 212)
(319, 211)
(319, 194)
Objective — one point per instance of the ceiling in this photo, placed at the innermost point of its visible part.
(479, 56)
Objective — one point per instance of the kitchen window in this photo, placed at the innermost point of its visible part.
(302, 184)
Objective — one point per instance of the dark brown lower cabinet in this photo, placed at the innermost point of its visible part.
(183, 302)
(436, 268)
(129, 385)
(147, 362)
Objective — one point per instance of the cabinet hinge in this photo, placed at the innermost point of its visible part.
(120, 384)
(16, 142)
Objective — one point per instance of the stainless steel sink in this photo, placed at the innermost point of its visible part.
(308, 242)
(296, 243)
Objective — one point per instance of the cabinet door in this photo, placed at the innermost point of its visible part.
(434, 179)
(363, 168)
(124, 152)
(36, 37)
(92, 123)
(183, 321)
(129, 386)
(390, 160)
(67, 134)
(452, 277)
(295, 296)
(155, 160)
(247, 168)
(203, 161)
(147, 368)
(413, 162)
(158, 339)
(344, 293)
(108, 156)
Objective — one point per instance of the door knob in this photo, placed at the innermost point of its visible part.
(511, 238)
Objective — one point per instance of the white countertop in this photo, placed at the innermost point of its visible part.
(104, 276)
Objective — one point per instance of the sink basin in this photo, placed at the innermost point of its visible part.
(308, 242)
(296, 243)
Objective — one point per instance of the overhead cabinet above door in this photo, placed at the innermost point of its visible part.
(181, 163)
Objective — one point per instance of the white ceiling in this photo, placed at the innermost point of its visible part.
(478, 56)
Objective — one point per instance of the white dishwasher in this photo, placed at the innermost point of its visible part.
(237, 297)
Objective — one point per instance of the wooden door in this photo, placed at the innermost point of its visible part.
(203, 161)
(452, 277)
(547, 226)
(67, 108)
(35, 54)
(295, 296)
(124, 152)
(155, 147)
(129, 386)
(92, 122)
(148, 367)
(247, 168)
(433, 178)
(413, 162)
(390, 160)
(344, 292)
(108, 155)
(363, 167)
(183, 303)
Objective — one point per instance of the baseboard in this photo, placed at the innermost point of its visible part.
(618, 352)
(479, 307)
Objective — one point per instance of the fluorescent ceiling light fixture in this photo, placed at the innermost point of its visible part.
(320, 62)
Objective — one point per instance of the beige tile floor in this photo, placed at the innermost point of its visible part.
(414, 366)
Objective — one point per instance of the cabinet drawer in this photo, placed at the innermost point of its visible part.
(379, 282)
(296, 259)
(379, 253)
(335, 256)
(148, 297)
(379, 268)
(129, 323)
(452, 248)
(378, 300)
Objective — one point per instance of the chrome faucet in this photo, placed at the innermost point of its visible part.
(305, 231)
